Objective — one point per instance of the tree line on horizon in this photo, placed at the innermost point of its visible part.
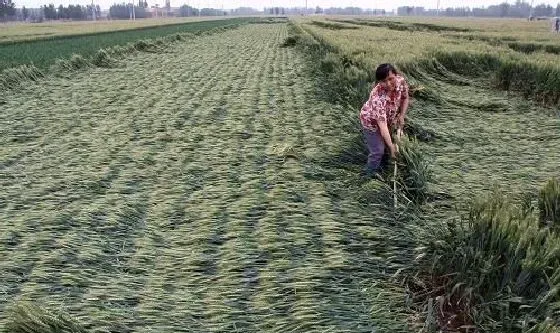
(9, 12)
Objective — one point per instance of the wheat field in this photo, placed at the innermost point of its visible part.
(213, 183)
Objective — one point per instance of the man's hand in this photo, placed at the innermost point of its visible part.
(393, 150)
(387, 138)
(400, 121)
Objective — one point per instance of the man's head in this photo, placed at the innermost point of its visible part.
(386, 75)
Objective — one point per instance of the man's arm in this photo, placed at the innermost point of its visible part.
(403, 110)
(404, 107)
(384, 131)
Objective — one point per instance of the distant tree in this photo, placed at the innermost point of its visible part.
(122, 11)
(243, 11)
(66, 12)
(318, 10)
(543, 10)
(119, 11)
(7, 8)
(49, 12)
(24, 13)
(211, 12)
(504, 9)
(36, 17)
(557, 10)
(92, 12)
(77, 12)
(185, 11)
(54, 13)
(520, 9)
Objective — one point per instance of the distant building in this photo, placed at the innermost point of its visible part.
(241, 11)
(156, 11)
(411, 11)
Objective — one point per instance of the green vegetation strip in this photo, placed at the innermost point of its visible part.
(43, 53)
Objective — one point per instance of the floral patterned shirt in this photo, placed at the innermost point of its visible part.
(383, 105)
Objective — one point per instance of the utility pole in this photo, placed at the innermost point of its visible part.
(437, 11)
(132, 11)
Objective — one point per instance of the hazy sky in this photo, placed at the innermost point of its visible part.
(386, 4)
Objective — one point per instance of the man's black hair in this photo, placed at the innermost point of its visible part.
(383, 72)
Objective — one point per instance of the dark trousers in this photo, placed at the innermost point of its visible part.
(376, 147)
